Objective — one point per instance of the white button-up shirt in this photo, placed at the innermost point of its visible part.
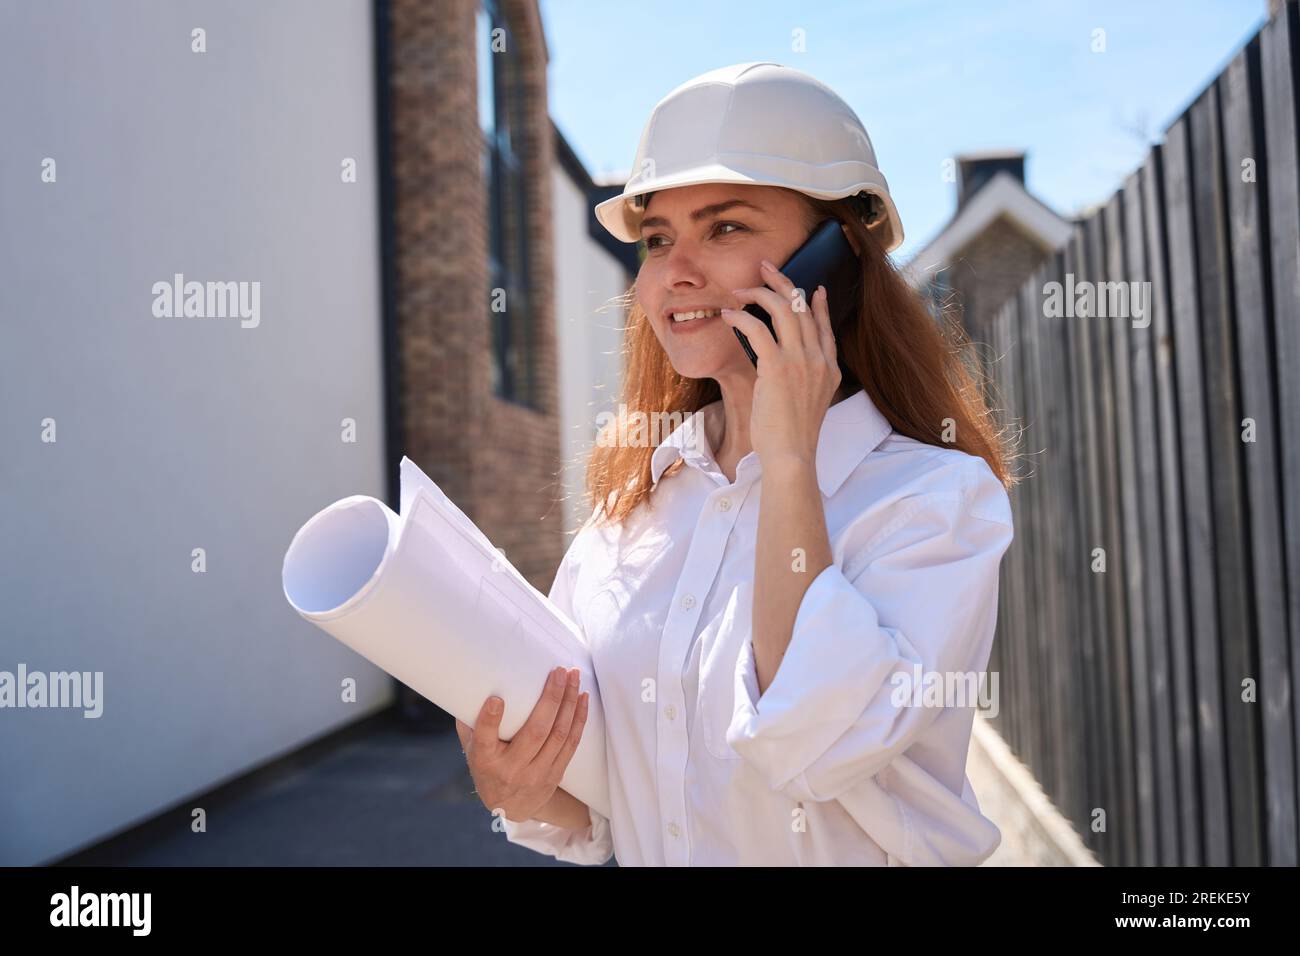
(856, 753)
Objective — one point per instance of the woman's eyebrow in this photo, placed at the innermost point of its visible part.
(704, 212)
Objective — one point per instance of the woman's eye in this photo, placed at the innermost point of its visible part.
(650, 243)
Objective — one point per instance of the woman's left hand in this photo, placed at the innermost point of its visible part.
(797, 375)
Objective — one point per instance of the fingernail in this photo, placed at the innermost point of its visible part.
(768, 265)
(495, 706)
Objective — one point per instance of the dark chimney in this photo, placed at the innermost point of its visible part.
(976, 169)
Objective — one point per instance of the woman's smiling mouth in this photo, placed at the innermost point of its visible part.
(689, 319)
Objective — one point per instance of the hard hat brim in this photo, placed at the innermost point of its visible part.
(622, 219)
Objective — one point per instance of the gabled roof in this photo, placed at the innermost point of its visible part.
(1004, 195)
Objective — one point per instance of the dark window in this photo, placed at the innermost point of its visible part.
(500, 107)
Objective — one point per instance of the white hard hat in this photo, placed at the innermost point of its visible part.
(757, 123)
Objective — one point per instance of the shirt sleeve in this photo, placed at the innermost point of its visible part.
(919, 598)
(592, 844)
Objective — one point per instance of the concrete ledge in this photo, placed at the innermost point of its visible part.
(1034, 832)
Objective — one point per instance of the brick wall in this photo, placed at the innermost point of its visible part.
(498, 461)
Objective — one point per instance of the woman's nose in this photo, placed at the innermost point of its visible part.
(682, 267)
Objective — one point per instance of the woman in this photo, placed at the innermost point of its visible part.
(772, 592)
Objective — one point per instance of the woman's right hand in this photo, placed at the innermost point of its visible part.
(521, 775)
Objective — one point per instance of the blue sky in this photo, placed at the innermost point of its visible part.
(929, 78)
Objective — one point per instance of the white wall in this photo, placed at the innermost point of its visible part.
(589, 336)
(176, 433)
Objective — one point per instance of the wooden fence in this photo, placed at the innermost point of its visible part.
(1154, 699)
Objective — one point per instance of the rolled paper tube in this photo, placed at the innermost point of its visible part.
(427, 598)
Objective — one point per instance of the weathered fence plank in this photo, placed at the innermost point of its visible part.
(1197, 506)
(1129, 564)
(1153, 620)
(1243, 121)
(1279, 43)
(1170, 427)
(1224, 449)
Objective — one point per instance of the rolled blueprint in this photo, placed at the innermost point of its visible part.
(426, 597)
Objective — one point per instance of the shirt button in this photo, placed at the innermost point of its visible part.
(674, 829)
(688, 602)
(724, 504)
(670, 711)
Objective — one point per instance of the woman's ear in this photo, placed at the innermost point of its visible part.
(853, 242)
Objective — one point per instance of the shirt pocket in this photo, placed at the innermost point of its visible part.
(721, 643)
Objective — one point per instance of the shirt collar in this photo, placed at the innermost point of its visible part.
(851, 430)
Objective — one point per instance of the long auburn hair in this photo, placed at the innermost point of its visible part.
(914, 368)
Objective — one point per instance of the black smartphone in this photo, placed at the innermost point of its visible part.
(826, 258)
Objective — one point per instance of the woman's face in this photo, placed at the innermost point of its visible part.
(702, 241)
